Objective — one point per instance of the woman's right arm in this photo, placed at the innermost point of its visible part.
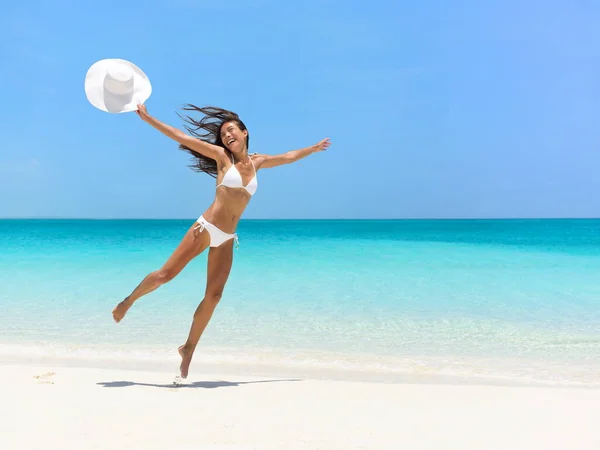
(209, 150)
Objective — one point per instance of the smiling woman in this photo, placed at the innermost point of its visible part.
(219, 146)
(213, 131)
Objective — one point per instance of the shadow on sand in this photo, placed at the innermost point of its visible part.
(195, 384)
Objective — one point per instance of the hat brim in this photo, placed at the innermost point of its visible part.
(105, 101)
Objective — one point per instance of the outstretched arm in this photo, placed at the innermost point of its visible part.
(204, 148)
(267, 161)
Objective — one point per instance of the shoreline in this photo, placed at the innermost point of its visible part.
(323, 372)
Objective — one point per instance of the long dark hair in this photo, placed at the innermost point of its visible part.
(210, 124)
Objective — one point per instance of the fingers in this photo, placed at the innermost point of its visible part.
(141, 111)
(325, 143)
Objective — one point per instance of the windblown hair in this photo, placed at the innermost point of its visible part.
(208, 129)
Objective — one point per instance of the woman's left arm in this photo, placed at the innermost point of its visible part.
(267, 161)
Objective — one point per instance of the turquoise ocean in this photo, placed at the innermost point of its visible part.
(490, 301)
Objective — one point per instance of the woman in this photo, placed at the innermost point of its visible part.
(222, 152)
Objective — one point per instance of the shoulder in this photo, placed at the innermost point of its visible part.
(259, 159)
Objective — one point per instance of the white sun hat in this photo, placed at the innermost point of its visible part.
(116, 85)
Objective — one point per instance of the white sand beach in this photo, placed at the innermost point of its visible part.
(46, 407)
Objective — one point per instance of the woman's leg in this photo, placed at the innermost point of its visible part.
(192, 244)
(219, 266)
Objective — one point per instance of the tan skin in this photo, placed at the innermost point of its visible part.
(225, 213)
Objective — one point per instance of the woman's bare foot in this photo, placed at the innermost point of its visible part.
(121, 309)
(186, 359)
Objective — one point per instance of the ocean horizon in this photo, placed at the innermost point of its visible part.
(486, 300)
(244, 219)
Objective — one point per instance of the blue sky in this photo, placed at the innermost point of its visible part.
(435, 109)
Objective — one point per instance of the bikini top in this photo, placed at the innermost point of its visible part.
(233, 179)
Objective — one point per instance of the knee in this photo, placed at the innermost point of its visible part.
(163, 276)
(213, 297)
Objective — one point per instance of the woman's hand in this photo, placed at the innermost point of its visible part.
(141, 111)
(322, 145)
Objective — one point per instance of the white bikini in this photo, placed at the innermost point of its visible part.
(232, 179)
